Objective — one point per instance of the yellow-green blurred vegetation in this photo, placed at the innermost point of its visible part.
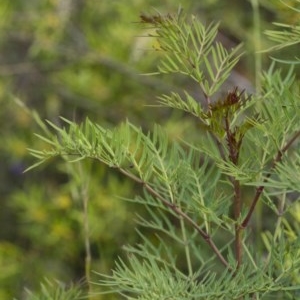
(79, 58)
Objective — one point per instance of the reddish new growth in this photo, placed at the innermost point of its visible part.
(232, 98)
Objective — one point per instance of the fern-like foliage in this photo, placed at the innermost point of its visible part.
(149, 279)
(286, 35)
(191, 49)
(194, 193)
(55, 291)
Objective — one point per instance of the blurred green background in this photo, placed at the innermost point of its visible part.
(79, 58)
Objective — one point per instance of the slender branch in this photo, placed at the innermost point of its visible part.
(237, 206)
(257, 43)
(186, 248)
(182, 214)
(261, 188)
(81, 193)
(87, 244)
(237, 212)
(88, 255)
(234, 147)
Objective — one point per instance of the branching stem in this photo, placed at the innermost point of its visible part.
(181, 214)
(261, 188)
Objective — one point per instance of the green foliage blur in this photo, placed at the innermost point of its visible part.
(78, 58)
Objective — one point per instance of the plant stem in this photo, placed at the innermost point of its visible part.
(88, 256)
(80, 193)
(238, 230)
(234, 147)
(186, 247)
(257, 43)
(86, 229)
(261, 188)
(182, 214)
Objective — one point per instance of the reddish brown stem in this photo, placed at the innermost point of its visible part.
(238, 229)
(261, 188)
(234, 147)
(182, 214)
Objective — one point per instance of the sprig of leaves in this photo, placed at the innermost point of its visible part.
(191, 49)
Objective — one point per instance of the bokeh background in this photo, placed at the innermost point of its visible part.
(78, 59)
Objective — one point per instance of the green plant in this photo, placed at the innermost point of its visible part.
(197, 192)
(55, 291)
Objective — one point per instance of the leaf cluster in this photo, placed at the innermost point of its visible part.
(55, 291)
(286, 35)
(191, 49)
(148, 279)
